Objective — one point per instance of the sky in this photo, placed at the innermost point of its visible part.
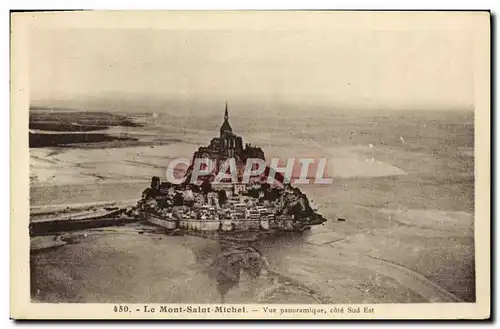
(398, 66)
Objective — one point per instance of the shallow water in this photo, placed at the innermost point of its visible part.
(339, 262)
(405, 238)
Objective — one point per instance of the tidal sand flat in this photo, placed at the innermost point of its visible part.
(165, 269)
(407, 206)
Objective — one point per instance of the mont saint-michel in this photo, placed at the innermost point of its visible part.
(200, 165)
(216, 201)
(226, 250)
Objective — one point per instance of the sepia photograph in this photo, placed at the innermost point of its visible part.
(265, 164)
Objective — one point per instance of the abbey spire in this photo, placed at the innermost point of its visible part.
(226, 127)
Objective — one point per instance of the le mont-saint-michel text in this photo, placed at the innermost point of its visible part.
(244, 309)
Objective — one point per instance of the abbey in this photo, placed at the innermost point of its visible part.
(228, 145)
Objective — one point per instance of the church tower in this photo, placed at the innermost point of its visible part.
(226, 127)
(230, 144)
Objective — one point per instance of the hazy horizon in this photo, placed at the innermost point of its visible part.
(237, 108)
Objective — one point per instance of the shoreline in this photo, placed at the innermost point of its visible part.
(414, 220)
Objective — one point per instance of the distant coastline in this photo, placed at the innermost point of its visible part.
(60, 128)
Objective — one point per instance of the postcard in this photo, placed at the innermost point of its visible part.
(250, 165)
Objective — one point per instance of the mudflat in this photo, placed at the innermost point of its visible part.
(404, 188)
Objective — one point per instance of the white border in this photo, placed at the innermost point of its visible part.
(186, 4)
